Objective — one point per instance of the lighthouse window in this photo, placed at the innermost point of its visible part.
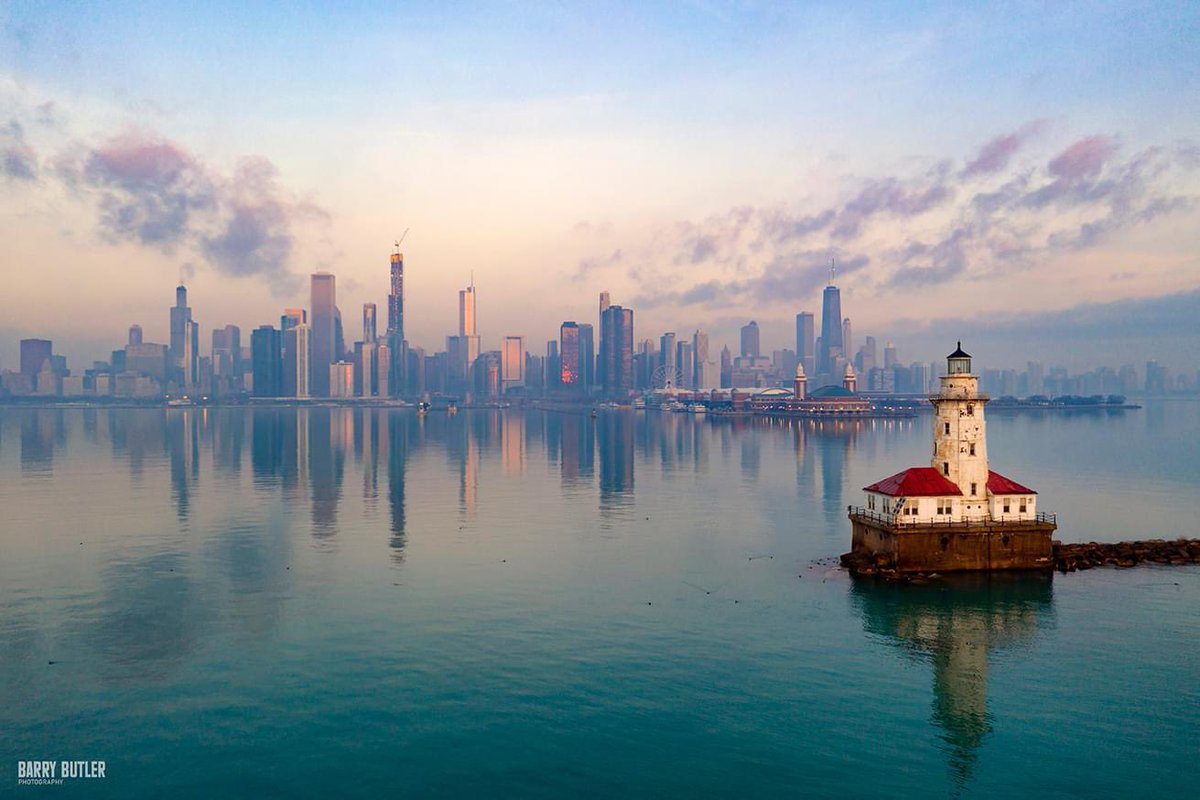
(970, 409)
(972, 448)
(972, 490)
(947, 428)
(945, 467)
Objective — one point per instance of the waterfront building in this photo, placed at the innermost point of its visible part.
(323, 349)
(827, 401)
(266, 362)
(296, 354)
(616, 336)
(341, 379)
(577, 357)
(35, 353)
(957, 513)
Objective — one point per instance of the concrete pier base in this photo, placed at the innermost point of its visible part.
(879, 544)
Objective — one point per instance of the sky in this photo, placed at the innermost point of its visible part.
(1025, 176)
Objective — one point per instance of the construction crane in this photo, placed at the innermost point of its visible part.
(401, 239)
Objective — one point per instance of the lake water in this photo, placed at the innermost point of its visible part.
(357, 602)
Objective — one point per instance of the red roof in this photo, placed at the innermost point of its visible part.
(998, 484)
(917, 482)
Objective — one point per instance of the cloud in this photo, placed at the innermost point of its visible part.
(154, 192)
(147, 188)
(1083, 159)
(587, 266)
(18, 160)
(995, 155)
(789, 277)
(255, 236)
(936, 225)
(891, 196)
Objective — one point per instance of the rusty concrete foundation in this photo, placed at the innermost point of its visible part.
(879, 544)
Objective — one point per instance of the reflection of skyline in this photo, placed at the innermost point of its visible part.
(956, 625)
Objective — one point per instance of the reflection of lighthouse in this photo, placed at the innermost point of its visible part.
(956, 631)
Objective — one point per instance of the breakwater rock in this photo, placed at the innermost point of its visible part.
(1070, 557)
(1066, 558)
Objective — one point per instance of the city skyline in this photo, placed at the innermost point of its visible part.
(548, 182)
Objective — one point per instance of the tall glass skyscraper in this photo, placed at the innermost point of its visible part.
(181, 315)
(395, 323)
(616, 344)
(831, 329)
(323, 304)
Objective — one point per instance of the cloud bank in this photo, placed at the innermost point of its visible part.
(154, 192)
(1005, 208)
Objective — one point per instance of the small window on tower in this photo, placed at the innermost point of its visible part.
(972, 490)
(946, 468)
(972, 448)
(970, 409)
(947, 428)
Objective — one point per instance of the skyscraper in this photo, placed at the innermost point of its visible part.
(512, 362)
(705, 375)
(750, 342)
(135, 334)
(568, 348)
(190, 361)
(35, 352)
(587, 357)
(466, 310)
(323, 305)
(368, 331)
(296, 354)
(265, 362)
(831, 329)
(616, 337)
(847, 339)
(180, 315)
(805, 342)
(666, 354)
(465, 350)
(227, 358)
(395, 324)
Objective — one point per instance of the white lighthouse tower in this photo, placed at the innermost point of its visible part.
(959, 438)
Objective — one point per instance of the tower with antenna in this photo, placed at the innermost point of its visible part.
(395, 324)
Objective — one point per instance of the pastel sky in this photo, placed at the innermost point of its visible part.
(1023, 175)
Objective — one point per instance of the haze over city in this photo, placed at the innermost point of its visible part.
(1023, 176)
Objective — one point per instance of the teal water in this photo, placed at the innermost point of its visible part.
(355, 603)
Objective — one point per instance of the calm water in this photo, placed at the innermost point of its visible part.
(346, 603)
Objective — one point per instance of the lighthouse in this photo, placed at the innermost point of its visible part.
(957, 513)
(959, 436)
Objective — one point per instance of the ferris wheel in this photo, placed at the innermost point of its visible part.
(666, 377)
